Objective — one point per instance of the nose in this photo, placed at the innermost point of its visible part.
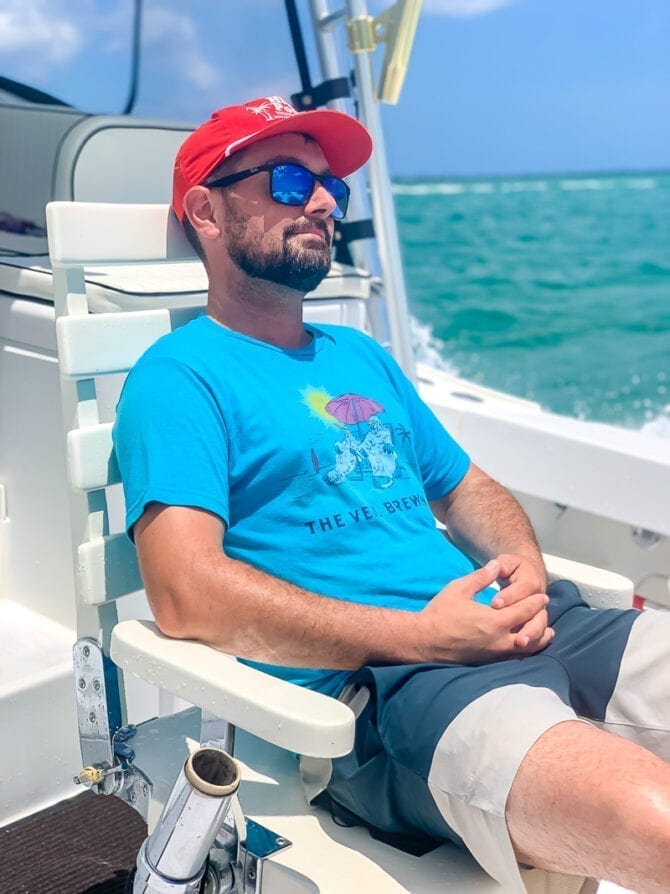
(320, 203)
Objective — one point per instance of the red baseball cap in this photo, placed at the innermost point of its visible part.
(345, 143)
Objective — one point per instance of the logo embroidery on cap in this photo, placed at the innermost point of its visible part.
(272, 107)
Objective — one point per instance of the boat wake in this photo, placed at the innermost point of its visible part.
(430, 350)
(659, 426)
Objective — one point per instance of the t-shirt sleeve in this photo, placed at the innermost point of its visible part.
(443, 463)
(171, 441)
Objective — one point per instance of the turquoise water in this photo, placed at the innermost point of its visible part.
(552, 288)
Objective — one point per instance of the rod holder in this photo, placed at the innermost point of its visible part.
(173, 858)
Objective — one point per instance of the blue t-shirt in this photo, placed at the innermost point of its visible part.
(320, 461)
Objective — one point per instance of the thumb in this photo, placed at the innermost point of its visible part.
(476, 581)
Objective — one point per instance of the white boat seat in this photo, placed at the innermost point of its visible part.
(277, 718)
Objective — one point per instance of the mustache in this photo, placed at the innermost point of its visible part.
(295, 229)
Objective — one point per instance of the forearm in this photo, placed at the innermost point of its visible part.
(239, 609)
(485, 520)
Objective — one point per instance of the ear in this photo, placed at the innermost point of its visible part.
(199, 210)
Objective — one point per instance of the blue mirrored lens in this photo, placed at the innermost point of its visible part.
(293, 185)
(338, 190)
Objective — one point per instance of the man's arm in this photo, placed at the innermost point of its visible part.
(197, 592)
(486, 521)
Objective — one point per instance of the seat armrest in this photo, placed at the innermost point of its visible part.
(282, 713)
(600, 588)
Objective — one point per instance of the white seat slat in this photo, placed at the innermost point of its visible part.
(91, 458)
(128, 232)
(107, 569)
(290, 716)
(97, 344)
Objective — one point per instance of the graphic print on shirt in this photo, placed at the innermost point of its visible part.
(364, 445)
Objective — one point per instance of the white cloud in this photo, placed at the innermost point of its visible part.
(37, 32)
(464, 8)
(174, 37)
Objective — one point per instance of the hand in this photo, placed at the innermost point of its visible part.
(453, 628)
(520, 578)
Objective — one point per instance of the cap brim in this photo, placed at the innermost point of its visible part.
(344, 141)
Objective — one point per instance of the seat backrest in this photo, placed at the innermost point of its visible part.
(117, 159)
(92, 346)
(56, 152)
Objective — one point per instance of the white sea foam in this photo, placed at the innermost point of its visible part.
(660, 425)
(427, 348)
(486, 187)
(524, 186)
(639, 183)
(428, 189)
(582, 183)
(480, 187)
(586, 183)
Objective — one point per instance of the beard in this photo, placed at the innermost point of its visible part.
(285, 263)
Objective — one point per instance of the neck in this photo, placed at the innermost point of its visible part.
(261, 310)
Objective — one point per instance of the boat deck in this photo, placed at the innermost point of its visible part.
(86, 845)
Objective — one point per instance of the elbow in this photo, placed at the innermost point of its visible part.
(173, 614)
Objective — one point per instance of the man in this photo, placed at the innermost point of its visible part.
(282, 483)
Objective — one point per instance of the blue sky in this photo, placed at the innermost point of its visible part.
(495, 86)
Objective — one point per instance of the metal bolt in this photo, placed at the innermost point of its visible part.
(82, 683)
(86, 651)
(96, 685)
(145, 789)
(92, 717)
(251, 875)
(132, 796)
(280, 842)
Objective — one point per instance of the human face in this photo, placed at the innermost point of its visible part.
(286, 245)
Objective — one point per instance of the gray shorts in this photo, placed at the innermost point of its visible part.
(438, 745)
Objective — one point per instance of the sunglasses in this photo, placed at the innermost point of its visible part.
(292, 184)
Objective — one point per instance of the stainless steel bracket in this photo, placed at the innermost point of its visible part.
(92, 714)
(260, 843)
(136, 790)
(107, 758)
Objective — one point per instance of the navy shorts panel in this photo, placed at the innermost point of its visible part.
(381, 791)
(589, 644)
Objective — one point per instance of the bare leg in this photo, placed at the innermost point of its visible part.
(586, 802)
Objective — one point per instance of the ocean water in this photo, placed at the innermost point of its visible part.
(553, 288)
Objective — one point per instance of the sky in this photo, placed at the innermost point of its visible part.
(494, 86)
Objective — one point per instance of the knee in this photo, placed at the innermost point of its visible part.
(644, 809)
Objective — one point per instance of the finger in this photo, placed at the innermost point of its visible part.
(532, 630)
(514, 593)
(470, 584)
(535, 645)
(508, 564)
(524, 610)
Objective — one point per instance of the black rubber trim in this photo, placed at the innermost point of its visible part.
(348, 232)
(31, 94)
(314, 97)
